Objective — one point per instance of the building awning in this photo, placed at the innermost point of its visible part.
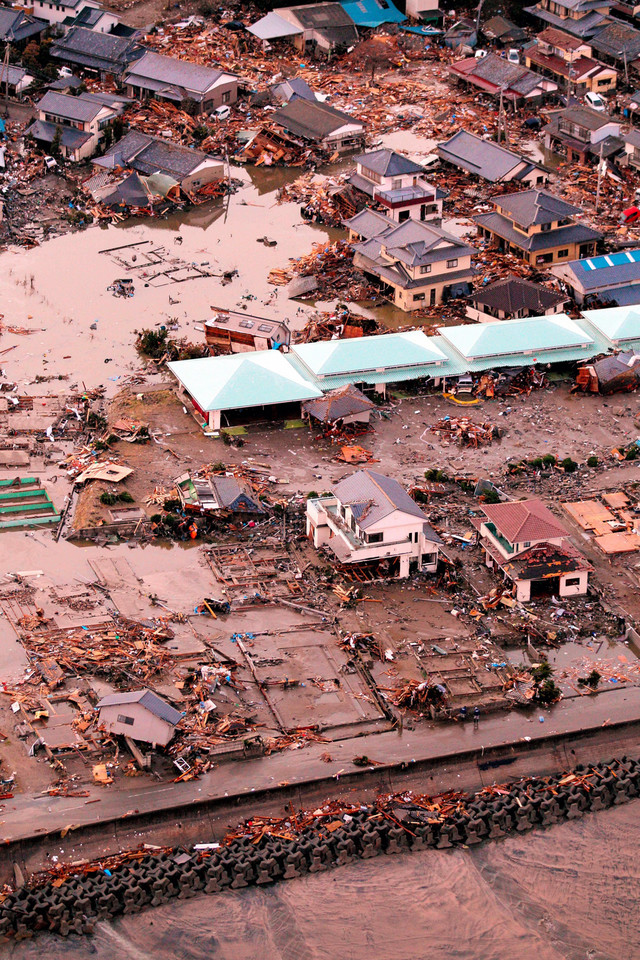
(274, 27)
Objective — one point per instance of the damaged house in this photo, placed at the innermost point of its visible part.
(613, 278)
(581, 18)
(19, 29)
(343, 407)
(322, 29)
(103, 54)
(78, 122)
(149, 155)
(530, 547)
(215, 494)
(418, 264)
(371, 518)
(500, 78)
(514, 298)
(397, 183)
(320, 125)
(539, 227)
(579, 134)
(191, 87)
(139, 715)
(232, 331)
(490, 161)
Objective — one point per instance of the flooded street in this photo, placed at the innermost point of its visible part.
(566, 893)
(59, 290)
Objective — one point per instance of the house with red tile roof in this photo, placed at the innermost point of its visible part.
(528, 544)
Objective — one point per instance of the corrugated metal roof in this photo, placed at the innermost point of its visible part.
(480, 157)
(273, 27)
(600, 273)
(372, 13)
(243, 380)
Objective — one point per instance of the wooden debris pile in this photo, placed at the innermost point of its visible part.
(332, 266)
(464, 431)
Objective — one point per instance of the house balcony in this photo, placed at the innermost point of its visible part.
(344, 542)
(490, 531)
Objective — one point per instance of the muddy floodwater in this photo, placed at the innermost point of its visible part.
(567, 893)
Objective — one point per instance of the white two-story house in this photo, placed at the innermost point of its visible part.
(76, 124)
(531, 548)
(370, 518)
(397, 184)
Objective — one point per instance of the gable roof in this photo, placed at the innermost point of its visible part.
(372, 13)
(328, 19)
(615, 39)
(328, 358)
(312, 120)
(15, 25)
(515, 294)
(243, 380)
(609, 270)
(73, 108)
(149, 155)
(534, 207)
(373, 496)
(487, 340)
(494, 72)
(342, 402)
(499, 28)
(98, 51)
(175, 72)
(146, 698)
(557, 38)
(388, 163)
(523, 521)
(273, 27)
(482, 157)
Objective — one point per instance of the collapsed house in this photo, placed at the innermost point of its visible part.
(320, 125)
(537, 226)
(418, 264)
(18, 29)
(514, 298)
(397, 183)
(502, 79)
(147, 155)
(321, 28)
(343, 407)
(370, 517)
(489, 161)
(616, 374)
(233, 331)
(530, 547)
(215, 494)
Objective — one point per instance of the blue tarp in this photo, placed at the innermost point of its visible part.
(423, 31)
(372, 13)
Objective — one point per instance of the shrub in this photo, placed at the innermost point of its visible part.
(491, 496)
(108, 498)
(569, 465)
(547, 692)
(549, 460)
(125, 497)
(592, 461)
(592, 680)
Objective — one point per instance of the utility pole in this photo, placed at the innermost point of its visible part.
(4, 74)
(599, 178)
(503, 133)
(480, 6)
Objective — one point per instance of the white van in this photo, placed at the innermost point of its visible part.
(595, 101)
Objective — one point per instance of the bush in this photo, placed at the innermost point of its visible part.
(172, 505)
(542, 672)
(632, 453)
(491, 496)
(312, 495)
(153, 343)
(537, 463)
(569, 465)
(592, 461)
(435, 475)
(592, 680)
(549, 460)
(125, 497)
(108, 498)
(547, 692)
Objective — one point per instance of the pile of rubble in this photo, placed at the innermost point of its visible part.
(331, 264)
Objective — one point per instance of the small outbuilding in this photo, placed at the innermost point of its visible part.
(140, 715)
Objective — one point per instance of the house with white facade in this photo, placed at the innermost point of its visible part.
(139, 715)
(397, 184)
(58, 10)
(80, 121)
(370, 518)
(530, 547)
(190, 86)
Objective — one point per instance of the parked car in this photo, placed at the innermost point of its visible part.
(513, 56)
(480, 54)
(595, 101)
(221, 113)
(65, 72)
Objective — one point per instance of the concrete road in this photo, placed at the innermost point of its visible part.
(28, 816)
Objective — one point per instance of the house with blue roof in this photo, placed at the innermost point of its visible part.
(613, 278)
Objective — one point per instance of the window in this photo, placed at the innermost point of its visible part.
(432, 298)
(418, 296)
(545, 228)
(123, 719)
(572, 582)
(429, 558)
(426, 268)
(452, 263)
(526, 544)
(563, 253)
(246, 324)
(374, 537)
(396, 184)
(265, 328)
(226, 96)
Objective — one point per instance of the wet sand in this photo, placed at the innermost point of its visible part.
(567, 893)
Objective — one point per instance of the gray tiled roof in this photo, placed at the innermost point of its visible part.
(480, 157)
(147, 698)
(584, 116)
(514, 294)
(71, 138)
(584, 27)
(499, 72)
(148, 154)
(73, 108)
(535, 207)
(372, 497)
(575, 233)
(416, 243)
(388, 163)
(313, 121)
(98, 51)
(368, 223)
(174, 72)
(616, 38)
(16, 26)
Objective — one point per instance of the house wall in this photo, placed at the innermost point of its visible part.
(55, 13)
(207, 172)
(574, 590)
(478, 314)
(414, 8)
(558, 253)
(346, 138)
(146, 726)
(224, 92)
